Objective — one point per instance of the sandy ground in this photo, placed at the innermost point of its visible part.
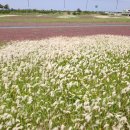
(105, 16)
(67, 16)
(7, 15)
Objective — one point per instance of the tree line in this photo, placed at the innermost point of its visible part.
(5, 9)
(35, 11)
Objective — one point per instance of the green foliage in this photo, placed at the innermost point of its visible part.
(35, 11)
(32, 11)
(74, 13)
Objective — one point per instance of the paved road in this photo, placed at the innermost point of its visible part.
(65, 26)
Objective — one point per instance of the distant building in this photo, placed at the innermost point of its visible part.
(126, 12)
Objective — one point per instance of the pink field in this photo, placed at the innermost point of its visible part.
(40, 33)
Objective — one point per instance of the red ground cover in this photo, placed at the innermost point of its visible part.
(40, 33)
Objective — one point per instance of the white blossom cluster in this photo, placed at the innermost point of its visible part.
(79, 83)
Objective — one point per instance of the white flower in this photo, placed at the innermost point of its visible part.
(70, 128)
(123, 120)
(126, 90)
(5, 79)
(117, 127)
(109, 115)
(52, 94)
(106, 126)
(61, 75)
(56, 128)
(50, 124)
(87, 117)
(6, 116)
(18, 128)
(1, 126)
(30, 100)
(62, 127)
(96, 108)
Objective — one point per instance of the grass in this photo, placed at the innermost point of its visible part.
(66, 83)
(54, 19)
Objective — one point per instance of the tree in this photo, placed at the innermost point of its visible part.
(74, 13)
(79, 10)
(1, 6)
(6, 6)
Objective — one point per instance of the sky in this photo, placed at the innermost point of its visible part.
(103, 5)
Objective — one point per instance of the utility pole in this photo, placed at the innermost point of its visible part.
(64, 5)
(28, 4)
(27, 7)
(86, 5)
(117, 4)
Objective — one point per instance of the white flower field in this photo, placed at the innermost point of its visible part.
(62, 83)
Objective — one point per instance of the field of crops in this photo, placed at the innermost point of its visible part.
(79, 83)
